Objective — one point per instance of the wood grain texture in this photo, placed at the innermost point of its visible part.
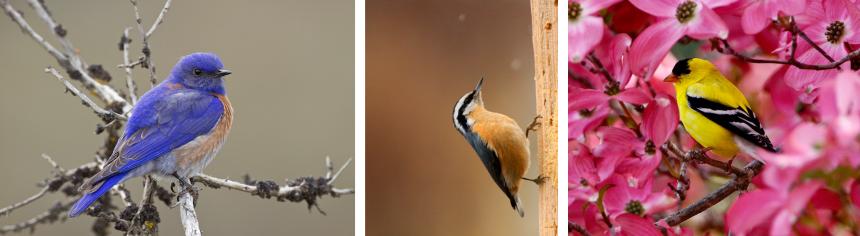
(545, 44)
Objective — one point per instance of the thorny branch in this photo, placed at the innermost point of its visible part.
(135, 218)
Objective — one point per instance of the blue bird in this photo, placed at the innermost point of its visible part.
(174, 130)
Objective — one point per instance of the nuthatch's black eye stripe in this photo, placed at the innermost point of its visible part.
(461, 113)
(682, 67)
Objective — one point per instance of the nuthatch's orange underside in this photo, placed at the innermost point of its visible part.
(497, 139)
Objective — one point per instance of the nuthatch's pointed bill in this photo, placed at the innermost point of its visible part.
(671, 78)
(478, 87)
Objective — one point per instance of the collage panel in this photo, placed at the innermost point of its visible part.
(271, 84)
(699, 117)
(451, 93)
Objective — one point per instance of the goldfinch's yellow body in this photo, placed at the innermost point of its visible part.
(714, 112)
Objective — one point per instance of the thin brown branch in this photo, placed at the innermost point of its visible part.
(738, 183)
(573, 227)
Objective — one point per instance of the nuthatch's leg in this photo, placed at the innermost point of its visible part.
(539, 180)
(534, 125)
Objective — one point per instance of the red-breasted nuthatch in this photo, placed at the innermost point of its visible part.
(497, 139)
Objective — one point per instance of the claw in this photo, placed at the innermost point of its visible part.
(533, 126)
(539, 180)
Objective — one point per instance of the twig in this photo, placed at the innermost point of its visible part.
(283, 191)
(147, 52)
(86, 101)
(738, 183)
(6, 210)
(51, 215)
(573, 227)
(76, 71)
(701, 157)
(159, 19)
(129, 81)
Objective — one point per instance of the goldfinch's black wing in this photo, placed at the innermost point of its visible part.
(491, 162)
(740, 120)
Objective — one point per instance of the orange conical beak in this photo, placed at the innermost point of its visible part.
(670, 78)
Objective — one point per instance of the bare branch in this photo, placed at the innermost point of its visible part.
(738, 183)
(76, 71)
(159, 19)
(146, 61)
(86, 101)
(306, 189)
(6, 210)
(188, 215)
(129, 81)
(51, 215)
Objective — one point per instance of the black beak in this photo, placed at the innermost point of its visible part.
(223, 72)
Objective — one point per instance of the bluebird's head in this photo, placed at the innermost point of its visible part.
(200, 70)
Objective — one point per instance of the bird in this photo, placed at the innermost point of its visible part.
(497, 139)
(715, 112)
(175, 129)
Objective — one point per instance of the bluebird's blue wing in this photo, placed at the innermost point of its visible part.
(160, 123)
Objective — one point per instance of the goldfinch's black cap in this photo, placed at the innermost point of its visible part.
(682, 67)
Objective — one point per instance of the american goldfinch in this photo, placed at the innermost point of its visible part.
(714, 112)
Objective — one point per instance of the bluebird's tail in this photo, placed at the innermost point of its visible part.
(89, 198)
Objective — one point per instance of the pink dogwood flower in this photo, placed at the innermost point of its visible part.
(759, 13)
(619, 88)
(830, 29)
(770, 210)
(676, 18)
(584, 28)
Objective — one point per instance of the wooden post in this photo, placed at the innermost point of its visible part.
(545, 44)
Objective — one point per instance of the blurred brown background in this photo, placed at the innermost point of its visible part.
(423, 178)
(292, 90)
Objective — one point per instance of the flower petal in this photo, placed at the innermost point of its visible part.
(652, 45)
(800, 195)
(663, 8)
(586, 99)
(707, 24)
(755, 17)
(660, 119)
(631, 224)
(591, 6)
(582, 36)
(717, 3)
(634, 95)
(855, 194)
(751, 209)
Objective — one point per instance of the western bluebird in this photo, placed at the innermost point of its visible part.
(174, 130)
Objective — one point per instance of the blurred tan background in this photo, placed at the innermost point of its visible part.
(423, 178)
(292, 90)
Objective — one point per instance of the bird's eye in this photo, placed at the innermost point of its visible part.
(198, 72)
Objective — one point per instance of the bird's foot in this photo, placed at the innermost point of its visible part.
(187, 187)
(539, 180)
(729, 165)
(534, 125)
